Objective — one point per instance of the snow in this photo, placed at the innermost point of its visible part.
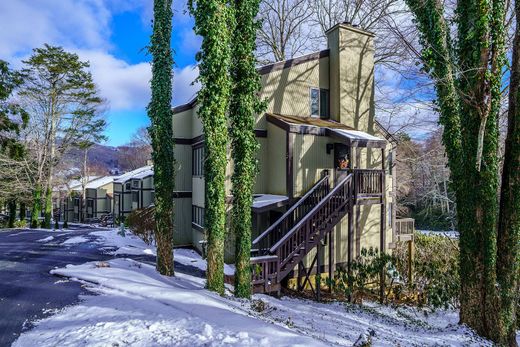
(47, 239)
(147, 170)
(139, 307)
(264, 200)
(74, 240)
(130, 244)
(100, 182)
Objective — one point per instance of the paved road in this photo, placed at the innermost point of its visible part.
(28, 292)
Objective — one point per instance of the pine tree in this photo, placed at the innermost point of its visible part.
(63, 103)
(244, 105)
(212, 19)
(161, 133)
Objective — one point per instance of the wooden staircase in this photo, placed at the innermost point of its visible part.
(279, 249)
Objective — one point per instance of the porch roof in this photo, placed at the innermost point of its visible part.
(326, 127)
(265, 202)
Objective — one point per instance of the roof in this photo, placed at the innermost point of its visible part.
(264, 202)
(263, 70)
(100, 182)
(139, 173)
(326, 127)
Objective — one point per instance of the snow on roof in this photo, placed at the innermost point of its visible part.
(263, 200)
(358, 135)
(100, 182)
(137, 173)
(76, 184)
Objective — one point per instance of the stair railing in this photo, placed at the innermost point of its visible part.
(294, 215)
(322, 218)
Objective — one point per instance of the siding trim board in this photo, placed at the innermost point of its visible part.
(199, 140)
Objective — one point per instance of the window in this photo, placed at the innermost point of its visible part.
(320, 103)
(135, 183)
(198, 161)
(197, 216)
(135, 197)
(128, 186)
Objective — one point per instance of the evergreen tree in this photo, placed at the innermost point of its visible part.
(212, 19)
(161, 133)
(63, 103)
(467, 71)
(244, 106)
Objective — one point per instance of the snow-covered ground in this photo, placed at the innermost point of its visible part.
(138, 307)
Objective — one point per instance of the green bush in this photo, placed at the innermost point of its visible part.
(142, 223)
(435, 284)
(364, 279)
(20, 224)
(436, 281)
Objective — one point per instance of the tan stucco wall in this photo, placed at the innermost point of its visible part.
(287, 91)
(310, 158)
(275, 160)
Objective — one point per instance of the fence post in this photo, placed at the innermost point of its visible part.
(411, 257)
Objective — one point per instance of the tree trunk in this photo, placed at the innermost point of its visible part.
(161, 133)
(12, 213)
(23, 211)
(243, 108)
(212, 18)
(509, 219)
(37, 206)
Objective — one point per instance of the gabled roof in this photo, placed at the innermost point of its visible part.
(263, 70)
(139, 173)
(100, 182)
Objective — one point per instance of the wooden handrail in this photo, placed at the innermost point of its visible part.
(311, 213)
(284, 217)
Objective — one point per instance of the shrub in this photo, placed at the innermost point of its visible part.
(436, 281)
(20, 224)
(142, 223)
(364, 280)
(65, 225)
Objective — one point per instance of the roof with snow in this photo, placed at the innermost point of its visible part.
(100, 182)
(139, 173)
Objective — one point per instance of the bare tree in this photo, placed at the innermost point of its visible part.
(285, 29)
(137, 152)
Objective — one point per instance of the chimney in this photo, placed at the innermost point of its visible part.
(351, 69)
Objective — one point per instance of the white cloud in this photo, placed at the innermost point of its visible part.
(184, 88)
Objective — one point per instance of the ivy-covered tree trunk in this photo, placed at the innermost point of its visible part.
(212, 19)
(36, 206)
(243, 108)
(12, 213)
(161, 134)
(47, 215)
(468, 84)
(509, 220)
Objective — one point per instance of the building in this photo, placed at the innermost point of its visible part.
(326, 184)
(133, 190)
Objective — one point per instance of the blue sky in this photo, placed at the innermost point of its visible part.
(112, 35)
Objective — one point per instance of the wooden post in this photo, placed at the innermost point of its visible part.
(383, 225)
(411, 256)
(331, 258)
(318, 271)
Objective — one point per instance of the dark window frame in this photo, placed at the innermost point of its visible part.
(323, 107)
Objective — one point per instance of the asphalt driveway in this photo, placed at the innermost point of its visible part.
(28, 291)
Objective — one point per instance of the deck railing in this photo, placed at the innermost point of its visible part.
(404, 226)
(368, 183)
(299, 210)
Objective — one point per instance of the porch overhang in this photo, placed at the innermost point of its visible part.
(266, 202)
(326, 127)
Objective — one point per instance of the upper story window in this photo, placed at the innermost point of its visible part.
(135, 183)
(128, 186)
(198, 161)
(319, 103)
